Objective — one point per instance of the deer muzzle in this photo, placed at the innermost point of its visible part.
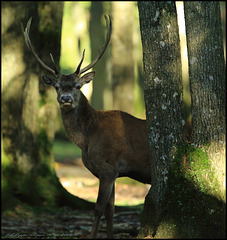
(66, 101)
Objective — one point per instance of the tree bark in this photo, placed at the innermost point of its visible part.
(207, 82)
(184, 200)
(163, 99)
(28, 108)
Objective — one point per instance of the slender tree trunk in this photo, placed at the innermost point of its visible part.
(207, 81)
(28, 108)
(97, 37)
(163, 99)
(123, 65)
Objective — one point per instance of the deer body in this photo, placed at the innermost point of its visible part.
(113, 143)
(109, 139)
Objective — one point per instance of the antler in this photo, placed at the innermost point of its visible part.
(30, 47)
(77, 72)
(109, 30)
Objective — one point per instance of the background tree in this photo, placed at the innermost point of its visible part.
(163, 98)
(182, 173)
(123, 64)
(28, 108)
(208, 84)
(97, 31)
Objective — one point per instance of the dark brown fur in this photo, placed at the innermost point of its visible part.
(114, 144)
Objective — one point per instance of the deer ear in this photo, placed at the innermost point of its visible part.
(86, 78)
(49, 80)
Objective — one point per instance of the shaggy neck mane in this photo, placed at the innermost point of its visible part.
(79, 122)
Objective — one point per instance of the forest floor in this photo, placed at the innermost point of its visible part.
(66, 223)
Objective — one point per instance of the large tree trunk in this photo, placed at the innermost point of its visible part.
(186, 199)
(28, 117)
(163, 99)
(207, 81)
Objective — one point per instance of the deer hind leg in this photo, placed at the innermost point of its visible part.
(106, 185)
(109, 211)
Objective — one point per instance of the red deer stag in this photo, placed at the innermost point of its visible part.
(113, 143)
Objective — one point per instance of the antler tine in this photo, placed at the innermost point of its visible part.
(109, 30)
(31, 49)
(78, 68)
(55, 66)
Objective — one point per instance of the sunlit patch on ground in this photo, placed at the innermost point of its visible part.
(80, 182)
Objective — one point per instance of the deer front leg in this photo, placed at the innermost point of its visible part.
(109, 211)
(106, 185)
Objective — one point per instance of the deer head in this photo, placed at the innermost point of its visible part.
(68, 86)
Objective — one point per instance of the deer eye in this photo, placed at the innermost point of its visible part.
(57, 87)
(77, 86)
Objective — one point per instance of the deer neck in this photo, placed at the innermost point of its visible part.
(80, 122)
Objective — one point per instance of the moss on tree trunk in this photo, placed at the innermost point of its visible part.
(207, 74)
